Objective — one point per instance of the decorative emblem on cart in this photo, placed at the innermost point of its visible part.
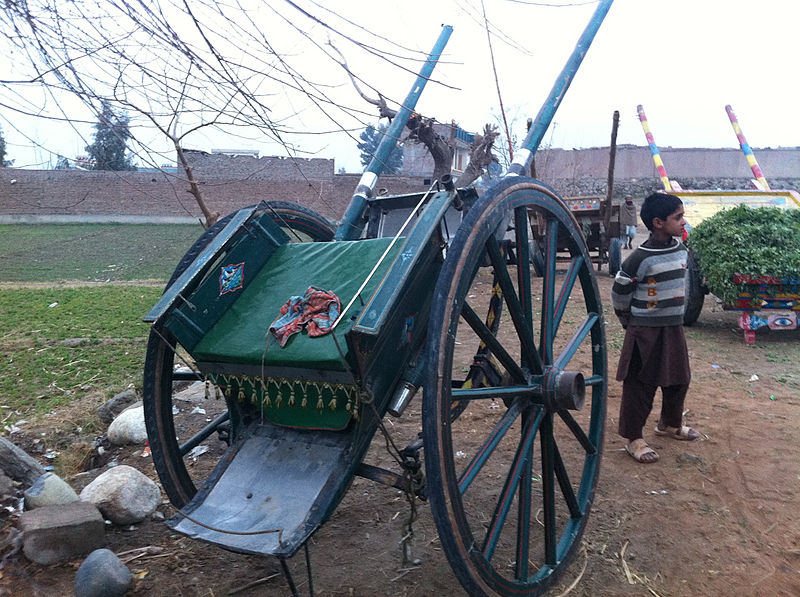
(231, 278)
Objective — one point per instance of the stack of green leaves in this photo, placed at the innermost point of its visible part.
(762, 241)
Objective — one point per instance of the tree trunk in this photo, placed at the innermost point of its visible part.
(480, 156)
(194, 188)
(422, 131)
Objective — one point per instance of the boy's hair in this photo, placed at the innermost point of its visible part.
(658, 205)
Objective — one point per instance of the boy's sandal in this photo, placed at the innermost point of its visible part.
(682, 433)
(641, 452)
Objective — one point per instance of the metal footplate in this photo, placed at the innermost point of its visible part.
(270, 492)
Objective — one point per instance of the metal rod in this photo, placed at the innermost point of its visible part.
(746, 149)
(662, 173)
(204, 433)
(287, 574)
(545, 116)
(308, 569)
(353, 221)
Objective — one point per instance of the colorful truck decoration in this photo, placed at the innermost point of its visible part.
(760, 294)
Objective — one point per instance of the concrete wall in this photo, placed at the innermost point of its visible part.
(243, 167)
(636, 162)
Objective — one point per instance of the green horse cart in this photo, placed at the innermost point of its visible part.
(305, 337)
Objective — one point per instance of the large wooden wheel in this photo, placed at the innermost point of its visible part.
(510, 510)
(208, 426)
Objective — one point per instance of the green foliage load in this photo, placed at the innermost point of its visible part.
(762, 241)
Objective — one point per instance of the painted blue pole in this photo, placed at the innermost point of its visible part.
(523, 157)
(353, 222)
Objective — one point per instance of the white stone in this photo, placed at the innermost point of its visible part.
(123, 495)
(128, 427)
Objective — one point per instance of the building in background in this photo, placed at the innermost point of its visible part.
(417, 160)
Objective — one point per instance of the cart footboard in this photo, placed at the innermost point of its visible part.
(269, 492)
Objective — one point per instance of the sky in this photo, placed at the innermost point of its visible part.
(683, 60)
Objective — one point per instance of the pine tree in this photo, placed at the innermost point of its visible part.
(3, 161)
(110, 148)
(370, 138)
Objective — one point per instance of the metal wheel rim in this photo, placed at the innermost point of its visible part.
(474, 569)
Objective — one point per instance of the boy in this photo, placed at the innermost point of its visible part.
(648, 298)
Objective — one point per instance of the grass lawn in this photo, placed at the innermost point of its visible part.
(61, 343)
(58, 343)
(92, 252)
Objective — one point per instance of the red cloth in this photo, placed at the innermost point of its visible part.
(316, 311)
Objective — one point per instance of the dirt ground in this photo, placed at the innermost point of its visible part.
(714, 517)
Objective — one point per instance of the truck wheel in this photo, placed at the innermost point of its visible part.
(695, 293)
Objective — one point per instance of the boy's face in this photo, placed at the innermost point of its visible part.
(673, 225)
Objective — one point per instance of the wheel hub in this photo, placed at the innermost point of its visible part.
(564, 389)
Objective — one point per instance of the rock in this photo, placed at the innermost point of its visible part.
(6, 488)
(128, 427)
(16, 463)
(49, 490)
(109, 410)
(102, 574)
(123, 494)
(53, 534)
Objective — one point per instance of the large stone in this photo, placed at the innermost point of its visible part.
(53, 534)
(16, 463)
(49, 490)
(102, 574)
(123, 495)
(6, 488)
(128, 427)
(112, 408)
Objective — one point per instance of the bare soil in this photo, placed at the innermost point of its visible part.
(713, 517)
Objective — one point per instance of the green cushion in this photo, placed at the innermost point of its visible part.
(241, 335)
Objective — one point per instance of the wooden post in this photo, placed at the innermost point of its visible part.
(612, 156)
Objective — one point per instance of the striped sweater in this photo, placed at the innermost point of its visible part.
(650, 288)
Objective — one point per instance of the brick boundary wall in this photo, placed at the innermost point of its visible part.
(79, 193)
(230, 183)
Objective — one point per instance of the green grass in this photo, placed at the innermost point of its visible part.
(59, 343)
(93, 252)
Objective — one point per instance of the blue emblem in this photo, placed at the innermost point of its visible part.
(231, 278)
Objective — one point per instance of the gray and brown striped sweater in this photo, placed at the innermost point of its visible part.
(650, 288)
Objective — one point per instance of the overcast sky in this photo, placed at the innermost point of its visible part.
(683, 60)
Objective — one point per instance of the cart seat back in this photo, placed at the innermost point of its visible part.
(309, 382)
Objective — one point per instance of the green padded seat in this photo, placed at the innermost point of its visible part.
(241, 335)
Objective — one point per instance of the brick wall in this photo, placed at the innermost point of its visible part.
(80, 193)
(230, 183)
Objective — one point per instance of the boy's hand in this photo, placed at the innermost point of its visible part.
(624, 318)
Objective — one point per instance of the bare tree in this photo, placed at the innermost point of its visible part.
(423, 130)
(181, 67)
(481, 156)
